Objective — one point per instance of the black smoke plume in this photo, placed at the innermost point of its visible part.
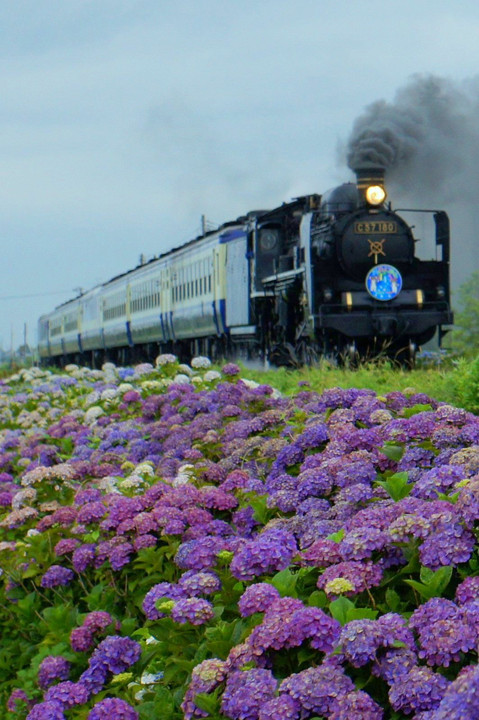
(427, 140)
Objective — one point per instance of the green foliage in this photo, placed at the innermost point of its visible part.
(344, 610)
(465, 383)
(397, 485)
(433, 584)
(465, 336)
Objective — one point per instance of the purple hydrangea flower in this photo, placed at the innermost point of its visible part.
(360, 575)
(53, 668)
(97, 620)
(196, 611)
(83, 557)
(288, 623)
(468, 590)
(356, 704)
(257, 598)
(359, 641)
(199, 554)
(419, 689)
(81, 639)
(246, 693)
(120, 555)
(65, 546)
(116, 654)
(461, 699)
(57, 575)
(394, 663)
(230, 369)
(270, 552)
(444, 632)
(360, 543)
(112, 709)
(205, 677)
(200, 583)
(16, 697)
(283, 707)
(317, 688)
(91, 512)
(161, 590)
(46, 711)
(450, 544)
(67, 694)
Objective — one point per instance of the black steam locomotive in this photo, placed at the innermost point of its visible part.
(333, 275)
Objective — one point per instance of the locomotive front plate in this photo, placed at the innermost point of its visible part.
(374, 227)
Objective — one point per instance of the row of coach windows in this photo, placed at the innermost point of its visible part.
(112, 312)
(71, 323)
(56, 329)
(191, 289)
(186, 287)
(145, 296)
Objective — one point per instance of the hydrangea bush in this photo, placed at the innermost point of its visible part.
(179, 542)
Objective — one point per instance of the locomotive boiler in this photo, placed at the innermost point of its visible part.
(332, 275)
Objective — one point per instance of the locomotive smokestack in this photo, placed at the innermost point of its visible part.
(369, 176)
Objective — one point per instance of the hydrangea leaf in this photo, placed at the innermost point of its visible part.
(434, 582)
(393, 450)
(285, 582)
(397, 486)
(339, 609)
(415, 410)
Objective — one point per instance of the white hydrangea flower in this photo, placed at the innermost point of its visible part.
(181, 379)
(211, 375)
(165, 359)
(184, 368)
(145, 468)
(92, 414)
(151, 678)
(71, 367)
(92, 398)
(200, 362)
(150, 640)
(184, 476)
(153, 384)
(109, 484)
(125, 387)
(132, 482)
(24, 497)
(249, 383)
(109, 394)
(143, 369)
(108, 367)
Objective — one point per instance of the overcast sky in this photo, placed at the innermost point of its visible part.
(123, 121)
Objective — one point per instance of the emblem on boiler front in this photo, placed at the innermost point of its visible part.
(376, 248)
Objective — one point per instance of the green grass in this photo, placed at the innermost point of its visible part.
(448, 384)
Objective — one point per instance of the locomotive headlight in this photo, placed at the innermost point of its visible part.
(375, 195)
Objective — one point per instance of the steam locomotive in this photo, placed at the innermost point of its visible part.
(333, 275)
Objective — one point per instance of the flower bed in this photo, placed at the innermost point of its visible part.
(178, 542)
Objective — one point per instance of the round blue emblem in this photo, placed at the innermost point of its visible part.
(383, 282)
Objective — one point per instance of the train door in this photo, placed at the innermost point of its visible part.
(129, 334)
(219, 288)
(166, 306)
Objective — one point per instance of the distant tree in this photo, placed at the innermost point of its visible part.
(464, 338)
